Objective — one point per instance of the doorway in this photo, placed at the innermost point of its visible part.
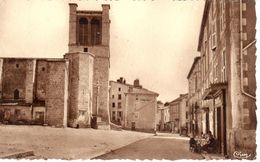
(39, 118)
(207, 120)
(133, 126)
(219, 130)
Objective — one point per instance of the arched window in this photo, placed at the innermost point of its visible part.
(95, 32)
(16, 94)
(83, 31)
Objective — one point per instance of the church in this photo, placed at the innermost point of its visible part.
(72, 91)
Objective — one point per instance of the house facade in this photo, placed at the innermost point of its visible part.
(228, 84)
(194, 96)
(132, 106)
(165, 117)
(184, 109)
(117, 101)
(159, 112)
(177, 114)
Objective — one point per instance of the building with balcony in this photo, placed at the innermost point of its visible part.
(228, 84)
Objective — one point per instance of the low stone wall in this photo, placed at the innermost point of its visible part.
(22, 114)
(15, 114)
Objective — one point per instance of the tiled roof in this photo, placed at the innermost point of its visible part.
(135, 90)
(142, 91)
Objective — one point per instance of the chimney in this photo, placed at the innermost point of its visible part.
(121, 80)
(137, 84)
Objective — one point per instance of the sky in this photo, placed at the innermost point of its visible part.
(152, 40)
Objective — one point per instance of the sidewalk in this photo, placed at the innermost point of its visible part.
(64, 143)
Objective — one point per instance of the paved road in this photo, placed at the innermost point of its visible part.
(163, 146)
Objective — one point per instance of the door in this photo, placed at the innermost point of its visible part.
(39, 118)
(93, 122)
(133, 126)
(219, 130)
(207, 121)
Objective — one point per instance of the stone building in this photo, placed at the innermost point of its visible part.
(33, 91)
(117, 101)
(132, 106)
(227, 48)
(194, 96)
(70, 91)
(165, 117)
(89, 31)
(159, 112)
(177, 113)
(184, 109)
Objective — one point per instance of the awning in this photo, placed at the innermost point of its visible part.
(214, 88)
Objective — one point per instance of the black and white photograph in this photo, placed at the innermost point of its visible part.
(128, 79)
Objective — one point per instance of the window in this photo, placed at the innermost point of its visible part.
(196, 83)
(17, 65)
(43, 68)
(222, 14)
(119, 105)
(223, 69)
(83, 31)
(214, 6)
(119, 89)
(113, 104)
(215, 74)
(82, 112)
(187, 115)
(113, 115)
(214, 36)
(16, 94)
(204, 66)
(95, 32)
(113, 96)
(119, 97)
(119, 114)
(17, 112)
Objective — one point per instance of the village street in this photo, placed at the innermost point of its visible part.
(68, 143)
(163, 146)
